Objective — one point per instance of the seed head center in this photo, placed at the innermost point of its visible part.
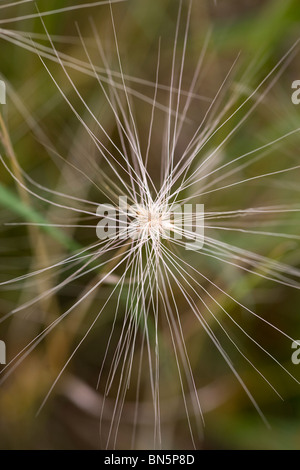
(151, 222)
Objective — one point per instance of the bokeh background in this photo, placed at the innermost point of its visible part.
(39, 130)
